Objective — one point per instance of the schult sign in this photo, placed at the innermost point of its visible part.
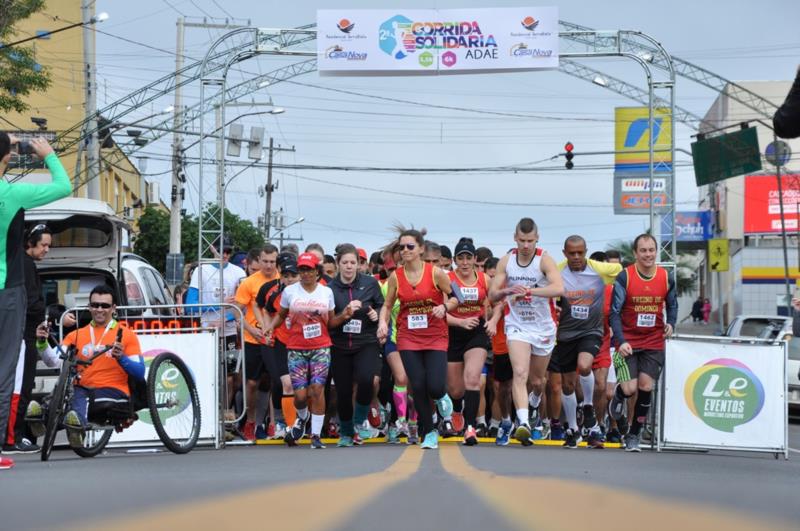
(436, 41)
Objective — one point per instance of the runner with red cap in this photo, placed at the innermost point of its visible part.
(307, 307)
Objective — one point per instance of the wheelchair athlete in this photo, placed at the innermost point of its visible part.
(101, 387)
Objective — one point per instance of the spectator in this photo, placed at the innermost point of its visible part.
(697, 310)
(15, 198)
(787, 118)
(706, 310)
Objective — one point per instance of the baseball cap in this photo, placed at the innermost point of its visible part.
(289, 266)
(464, 247)
(307, 260)
(362, 253)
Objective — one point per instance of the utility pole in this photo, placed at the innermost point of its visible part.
(92, 145)
(175, 257)
(270, 189)
(779, 160)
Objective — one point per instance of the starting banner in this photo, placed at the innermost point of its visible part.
(724, 395)
(198, 350)
(435, 41)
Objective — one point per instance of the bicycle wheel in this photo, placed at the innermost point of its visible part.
(173, 402)
(56, 410)
(94, 442)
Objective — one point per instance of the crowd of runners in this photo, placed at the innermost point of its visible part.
(418, 342)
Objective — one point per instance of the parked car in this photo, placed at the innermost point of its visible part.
(760, 326)
(793, 375)
(86, 251)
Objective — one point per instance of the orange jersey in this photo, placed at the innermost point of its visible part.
(246, 296)
(104, 371)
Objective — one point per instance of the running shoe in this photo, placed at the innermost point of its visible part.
(595, 439)
(538, 431)
(493, 431)
(533, 415)
(482, 430)
(374, 417)
(22, 447)
(357, 440)
(296, 433)
(249, 432)
(589, 419)
(75, 431)
(261, 433)
(345, 441)
(280, 430)
(431, 441)
(34, 416)
(6, 463)
(270, 431)
(413, 433)
(632, 443)
(503, 433)
(614, 436)
(365, 431)
(458, 422)
(446, 429)
(402, 428)
(333, 430)
(316, 443)
(470, 436)
(571, 438)
(545, 429)
(392, 437)
(556, 431)
(523, 434)
(445, 406)
(616, 407)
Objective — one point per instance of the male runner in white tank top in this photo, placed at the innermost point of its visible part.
(530, 279)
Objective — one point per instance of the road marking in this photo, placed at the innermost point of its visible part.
(314, 504)
(543, 502)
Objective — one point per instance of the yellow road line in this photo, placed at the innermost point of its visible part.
(549, 503)
(314, 504)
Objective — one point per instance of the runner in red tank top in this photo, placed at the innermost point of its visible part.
(469, 336)
(641, 294)
(421, 329)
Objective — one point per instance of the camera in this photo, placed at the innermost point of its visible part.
(24, 148)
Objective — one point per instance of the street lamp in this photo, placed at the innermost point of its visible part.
(97, 19)
(281, 230)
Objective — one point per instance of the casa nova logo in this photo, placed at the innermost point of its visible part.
(724, 394)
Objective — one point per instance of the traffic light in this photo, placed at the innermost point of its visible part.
(568, 147)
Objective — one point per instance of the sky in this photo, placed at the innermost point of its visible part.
(350, 121)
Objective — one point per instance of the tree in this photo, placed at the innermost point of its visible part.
(20, 74)
(685, 266)
(152, 242)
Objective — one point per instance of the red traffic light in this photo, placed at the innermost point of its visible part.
(568, 147)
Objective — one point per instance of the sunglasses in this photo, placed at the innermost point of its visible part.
(409, 246)
(103, 305)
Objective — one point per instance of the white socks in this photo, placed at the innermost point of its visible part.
(570, 405)
(587, 384)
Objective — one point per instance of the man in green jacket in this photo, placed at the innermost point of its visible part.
(14, 199)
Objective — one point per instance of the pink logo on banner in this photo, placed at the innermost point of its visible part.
(449, 59)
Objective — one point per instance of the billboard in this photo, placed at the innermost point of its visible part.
(632, 140)
(436, 41)
(632, 193)
(693, 226)
(762, 212)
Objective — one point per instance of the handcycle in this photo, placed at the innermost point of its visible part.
(175, 415)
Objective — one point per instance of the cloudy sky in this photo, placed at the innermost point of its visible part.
(399, 122)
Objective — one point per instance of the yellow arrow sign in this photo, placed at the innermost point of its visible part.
(718, 255)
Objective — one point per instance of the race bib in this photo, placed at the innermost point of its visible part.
(353, 326)
(470, 294)
(417, 321)
(646, 320)
(579, 312)
(311, 331)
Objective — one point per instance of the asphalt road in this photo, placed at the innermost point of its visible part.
(400, 487)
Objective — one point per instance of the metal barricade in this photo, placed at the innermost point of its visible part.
(148, 321)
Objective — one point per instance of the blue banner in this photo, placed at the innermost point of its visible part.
(693, 226)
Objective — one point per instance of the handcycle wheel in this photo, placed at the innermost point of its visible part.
(173, 402)
(94, 442)
(55, 411)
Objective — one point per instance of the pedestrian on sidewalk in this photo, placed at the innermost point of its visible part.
(706, 310)
(697, 310)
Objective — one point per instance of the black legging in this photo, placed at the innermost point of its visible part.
(353, 366)
(276, 362)
(427, 374)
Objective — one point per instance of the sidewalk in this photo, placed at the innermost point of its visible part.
(687, 328)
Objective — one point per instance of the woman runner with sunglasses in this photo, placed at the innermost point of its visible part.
(421, 330)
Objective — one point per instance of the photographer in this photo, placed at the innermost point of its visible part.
(15, 198)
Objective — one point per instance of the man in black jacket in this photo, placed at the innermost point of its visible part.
(787, 118)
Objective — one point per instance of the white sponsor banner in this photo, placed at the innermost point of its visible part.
(725, 395)
(436, 40)
(198, 351)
